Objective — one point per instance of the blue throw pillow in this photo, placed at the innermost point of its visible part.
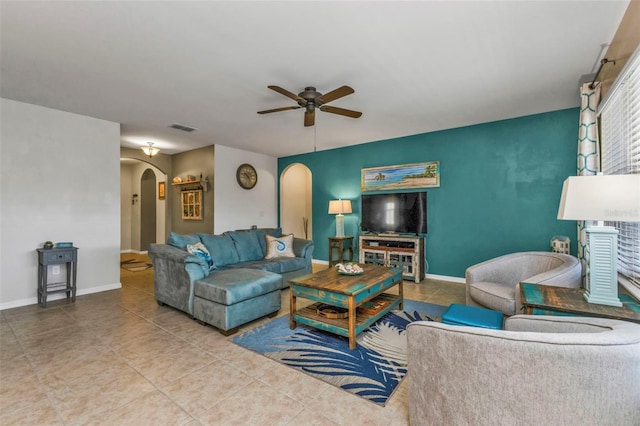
(182, 241)
(222, 249)
(247, 245)
(201, 251)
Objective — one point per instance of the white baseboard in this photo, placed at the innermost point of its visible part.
(58, 296)
(320, 262)
(133, 251)
(446, 278)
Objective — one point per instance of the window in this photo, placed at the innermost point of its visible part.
(620, 140)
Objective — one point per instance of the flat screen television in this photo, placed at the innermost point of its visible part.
(398, 212)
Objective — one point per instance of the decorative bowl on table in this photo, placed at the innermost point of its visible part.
(349, 269)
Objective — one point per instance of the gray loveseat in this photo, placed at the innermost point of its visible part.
(241, 286)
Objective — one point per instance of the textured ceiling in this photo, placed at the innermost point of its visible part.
(415, 66)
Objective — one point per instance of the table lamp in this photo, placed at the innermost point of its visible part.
(613, 198)
(338, 207)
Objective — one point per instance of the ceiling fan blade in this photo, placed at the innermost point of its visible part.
(288, 94)
(340, 111)
(334, 94)
(278, 109)
(309, 118)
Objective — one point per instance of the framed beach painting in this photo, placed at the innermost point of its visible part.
(406, 176)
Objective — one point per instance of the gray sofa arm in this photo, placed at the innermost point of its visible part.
(559, 324)
(303, 248)
(175, 271)
(486, 377)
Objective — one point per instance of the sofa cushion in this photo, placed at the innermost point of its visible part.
(234, 285)
(279, 247)
(288, 264)
(247, 245)
(181, 241)
(496, 296)
(263, 265)
(222, 249)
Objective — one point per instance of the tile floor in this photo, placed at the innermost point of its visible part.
(117, 358)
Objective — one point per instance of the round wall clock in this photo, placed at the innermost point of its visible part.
(246, 176)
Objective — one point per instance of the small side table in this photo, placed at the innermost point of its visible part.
(57, 256)
(341, 244)
(538, 299)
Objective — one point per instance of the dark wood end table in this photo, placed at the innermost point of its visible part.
(540, 299)
(341, 245)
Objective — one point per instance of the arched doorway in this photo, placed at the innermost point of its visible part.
(296, 201)
(132, 218)
(147, 209)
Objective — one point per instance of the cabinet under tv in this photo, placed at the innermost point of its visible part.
(395, 251)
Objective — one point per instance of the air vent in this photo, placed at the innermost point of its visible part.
(182, 127)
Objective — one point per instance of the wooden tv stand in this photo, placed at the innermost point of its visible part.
(394, 251)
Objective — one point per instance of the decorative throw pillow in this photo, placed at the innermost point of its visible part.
(279, 247)
(201, 251)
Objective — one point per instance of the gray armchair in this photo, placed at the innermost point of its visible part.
(539, 370)
(494, 284)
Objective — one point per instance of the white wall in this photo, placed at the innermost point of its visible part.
(237, 208)
(59, 181)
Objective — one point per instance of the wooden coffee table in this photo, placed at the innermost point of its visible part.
(540, 299)
(345, 291)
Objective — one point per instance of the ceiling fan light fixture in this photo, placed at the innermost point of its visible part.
(150, 150)
(310, 99)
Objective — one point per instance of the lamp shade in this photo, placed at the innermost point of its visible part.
(614, 198)
(339, 206)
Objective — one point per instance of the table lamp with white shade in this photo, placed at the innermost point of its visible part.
(612, 198)
(339, 207)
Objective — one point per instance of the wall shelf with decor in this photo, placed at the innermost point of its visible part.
(202, 183)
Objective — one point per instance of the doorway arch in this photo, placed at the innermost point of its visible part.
(131, 199)
(296, 201)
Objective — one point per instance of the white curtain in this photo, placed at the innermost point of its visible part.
(588, 149)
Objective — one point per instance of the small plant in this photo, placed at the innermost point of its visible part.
(305, 227)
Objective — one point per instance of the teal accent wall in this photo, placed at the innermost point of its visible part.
(500, 186)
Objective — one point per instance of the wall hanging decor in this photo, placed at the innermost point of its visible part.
(162, 190)
(192, 204)
(405, 176)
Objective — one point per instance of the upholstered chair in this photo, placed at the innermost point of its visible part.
(539, 370)
(493, 284)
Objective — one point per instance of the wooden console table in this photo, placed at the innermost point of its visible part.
(550, 300)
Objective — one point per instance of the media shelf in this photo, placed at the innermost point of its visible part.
(395, 251)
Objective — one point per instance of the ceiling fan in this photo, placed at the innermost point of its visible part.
(310, 99)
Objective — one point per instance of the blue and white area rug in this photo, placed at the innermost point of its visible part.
(372, 371)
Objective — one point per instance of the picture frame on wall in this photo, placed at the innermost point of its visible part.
(162, 190)
(192, 204)
(405, 176)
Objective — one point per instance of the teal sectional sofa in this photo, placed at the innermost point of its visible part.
(236, 285)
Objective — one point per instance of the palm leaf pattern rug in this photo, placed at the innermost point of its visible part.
(372, 371)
